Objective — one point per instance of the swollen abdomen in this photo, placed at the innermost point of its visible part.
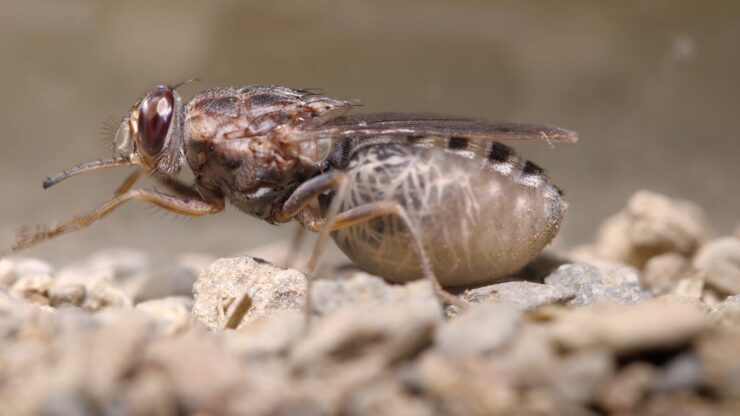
(482, 213)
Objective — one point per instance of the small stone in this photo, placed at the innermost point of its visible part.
(589, 283)
(720, 358)
(269, 289)
(386, 397)
(625, 391)
(662, 272)
(176, 279)
(364, 289)
(127, 270)
(382, 334)
(483, 328)
(719, 260)
(33, 287)
(689, 287)
(532, 359)
(648, 325)
(102, 293)
(463, 386)
(727, 314)
(28, 265)
(652, 224)
(67, 295)
(172, 314)
(202, 374)
(580, 376)
(523, 295)
(8, 273)
(268, 335)
(683, 372)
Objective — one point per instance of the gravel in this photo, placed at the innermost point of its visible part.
(651, 326)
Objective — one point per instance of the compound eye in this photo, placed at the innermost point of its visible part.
(155, 116)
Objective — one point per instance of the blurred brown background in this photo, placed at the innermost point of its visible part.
(653, 88)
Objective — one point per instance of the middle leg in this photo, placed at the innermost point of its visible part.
(373, 210)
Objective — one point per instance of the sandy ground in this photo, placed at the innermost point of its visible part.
(643, 320)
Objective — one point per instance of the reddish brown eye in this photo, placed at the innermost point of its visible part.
(155, 116)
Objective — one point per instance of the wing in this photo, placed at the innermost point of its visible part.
(409, 124)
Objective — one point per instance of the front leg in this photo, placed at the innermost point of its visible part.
(176, 186)
(181, 206)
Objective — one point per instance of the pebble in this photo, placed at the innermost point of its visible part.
(102, 293)
(663, 272)
(727, 314)
(383, 334)
(523, 295)
(33, 287)
(484, 327)
(461, 386)
(587, 341)
(720, 360)
(624, 328)
(8, 273)
(172, 314)
(581, 376)
(689, 287)
(364, 289)
(227, 281)
(30, 266)
(71, 294)
(589, 283)
(719, 261)
(266, 336)
(652, 224)
(683, 372)
(624, 392)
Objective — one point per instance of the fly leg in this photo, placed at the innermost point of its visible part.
(333, 220)
(294, 208)
(373, 210)
(177, 187)
(182, 206)
(295, 244)
(298, 205)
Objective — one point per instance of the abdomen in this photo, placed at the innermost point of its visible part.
(482, 213)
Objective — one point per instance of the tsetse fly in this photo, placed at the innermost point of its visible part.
(403, 195)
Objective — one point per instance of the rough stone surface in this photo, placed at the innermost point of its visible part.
(727, 313)
(590, 283)
(523, 295)
(589, 341)
(719, 261)
(652, 224)
(629, 387)
(649, 325)
(485, 327)
(7, 273)
(225, 282)
(70, 294)
(364, 289)
(33, 287)
(663, 272)
(379, 333)
(172, 314)
(30, 266)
